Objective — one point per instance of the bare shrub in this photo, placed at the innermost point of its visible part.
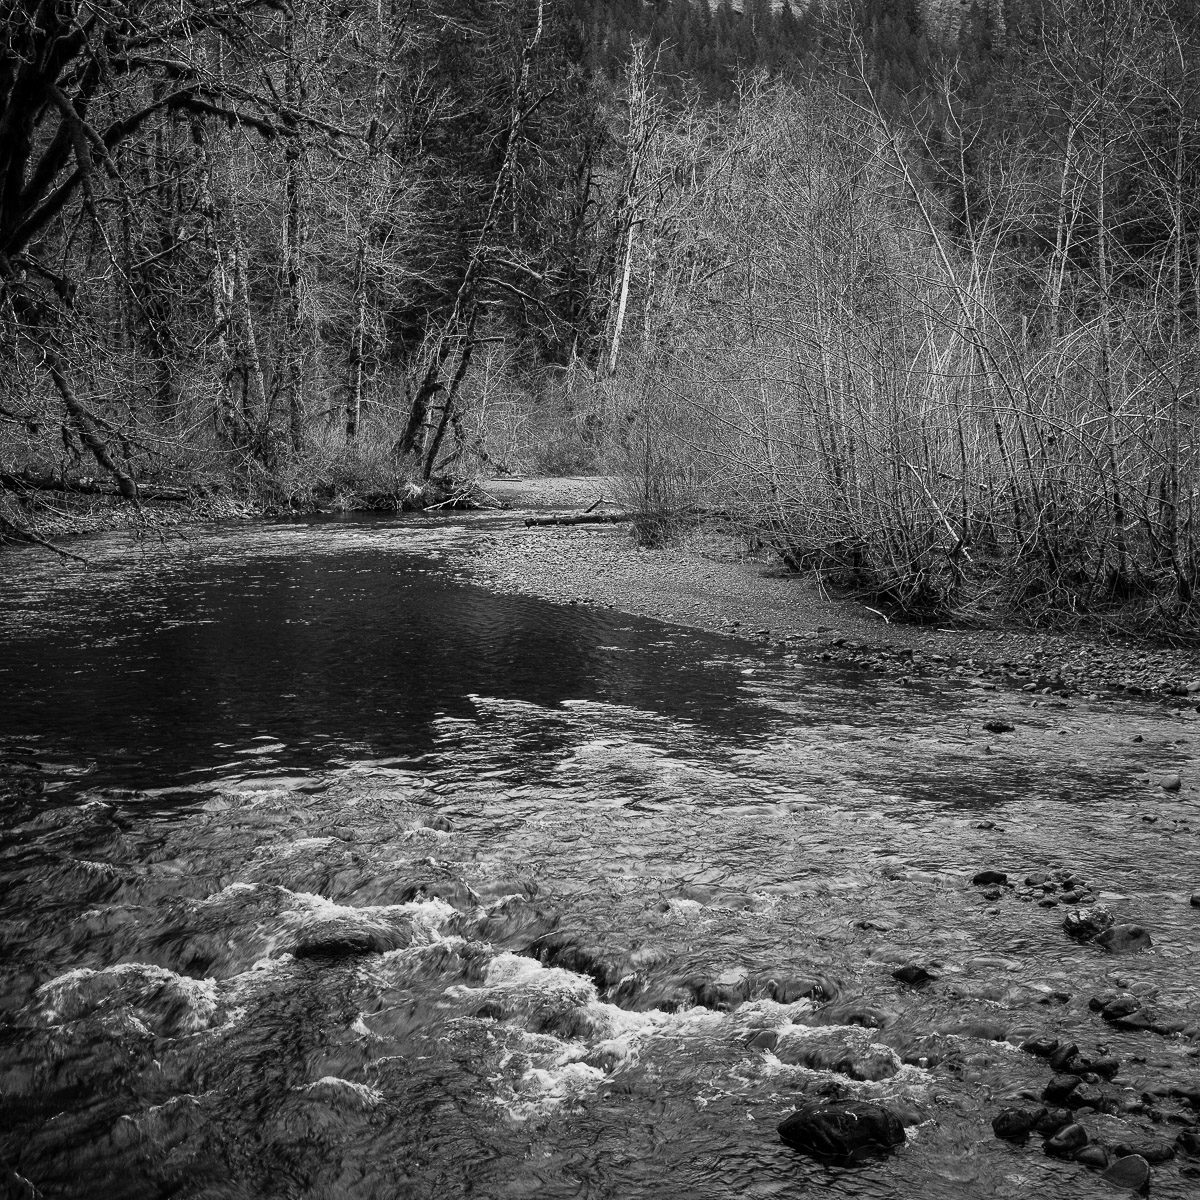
(827, 366)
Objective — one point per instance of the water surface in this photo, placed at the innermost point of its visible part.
(354, 879)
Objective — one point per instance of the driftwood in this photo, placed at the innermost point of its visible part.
(582, 519)
(30, 481)
(588, 517)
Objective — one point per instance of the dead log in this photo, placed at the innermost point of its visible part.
(581, 519)
(31, 481)
(593, 518)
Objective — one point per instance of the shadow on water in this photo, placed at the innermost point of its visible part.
(353, 879)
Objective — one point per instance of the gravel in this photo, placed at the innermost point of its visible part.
(708, 581)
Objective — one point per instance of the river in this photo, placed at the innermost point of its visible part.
(353, 879)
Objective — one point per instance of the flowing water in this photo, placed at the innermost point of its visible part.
(352, 879)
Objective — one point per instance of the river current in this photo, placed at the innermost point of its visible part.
(353, 879)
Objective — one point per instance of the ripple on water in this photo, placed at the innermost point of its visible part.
(593, 936)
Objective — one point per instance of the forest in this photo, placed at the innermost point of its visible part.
(907, 290)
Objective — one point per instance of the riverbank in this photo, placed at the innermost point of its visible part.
(709, 581)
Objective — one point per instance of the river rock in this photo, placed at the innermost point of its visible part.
(1114, 1005)
(1063, 1058)
(1170, 783)
(1188, 1142)
(1052, 1120)
(1016, 1124)
(1088, 1095)
(842, 1130)
(851, 1011)
(983, 878)
(1152, 1149)
(1067, 1142)
(1132, 1172)
(570, 952)
(1124, 939)
(1093, 1156)
(914, 974)
(1085, 926)
(1195, 900)
(863, 1062)
(1060, 1088)
(453, 891)
(804, 987)
(1040, 1047)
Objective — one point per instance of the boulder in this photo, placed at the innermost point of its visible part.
(842, 1130)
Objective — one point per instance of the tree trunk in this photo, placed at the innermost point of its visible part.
(85, 426)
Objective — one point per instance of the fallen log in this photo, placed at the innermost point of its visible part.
(30, 481)
(582, 519)
(589, 517)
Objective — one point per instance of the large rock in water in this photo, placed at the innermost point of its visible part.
(1124, 939)
(842, 1130)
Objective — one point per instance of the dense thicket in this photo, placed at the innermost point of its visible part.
(914, 285)
(232, 229)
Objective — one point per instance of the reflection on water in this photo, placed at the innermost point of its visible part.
(355, 880)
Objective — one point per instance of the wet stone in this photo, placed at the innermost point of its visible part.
(1111, 1005)
(1052, 1120)
(1085, 926)
(1087, 1095)
(914, 974)
(1131, 1172)
(1067, 1142)
(1093, 1156)
(764, 1039)
(1016, 1124)
(871, 1063)
(1040, 1047)
(1063, 1056)
(815, 987)
(1125, 939)
(984, 878)
(1152, 1149)
(1188, 1142)
(842, 1131)
(1059, 1090)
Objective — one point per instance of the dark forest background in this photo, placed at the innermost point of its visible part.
(909, 287)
